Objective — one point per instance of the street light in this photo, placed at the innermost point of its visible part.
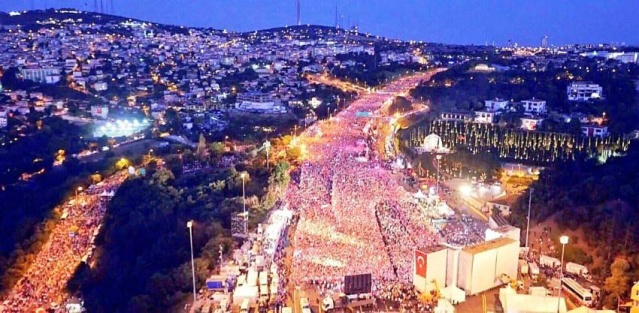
(438, 157)
(76, 192)
(564, 241)
(528, 218)
(243, 176)
(189, 225)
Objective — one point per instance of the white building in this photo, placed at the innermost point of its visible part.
(496, 105)
(100, 86)
(594, 130)
(47, 75)
(259, 103)
(534, 105)
(583, 91)
(531, 123)
(456, 116)
(3, 119)
(484, 117)
(483, 266)
(100, 111)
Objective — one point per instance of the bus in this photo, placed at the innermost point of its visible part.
(577, 291)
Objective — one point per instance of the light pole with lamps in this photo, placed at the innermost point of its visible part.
(77, 202)
(528, 218)
(243, 176)
(189, 225)
(438, 157)
(564, 241)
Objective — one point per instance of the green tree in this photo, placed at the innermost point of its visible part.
(618, 283)
(200, 150)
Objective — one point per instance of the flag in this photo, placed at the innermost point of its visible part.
(420, 263)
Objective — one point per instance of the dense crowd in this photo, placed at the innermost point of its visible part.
(70, 243)
(464, 231)
(346, 224)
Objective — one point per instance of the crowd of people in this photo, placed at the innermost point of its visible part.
(346, 225)
(463, 231)
(70, 243)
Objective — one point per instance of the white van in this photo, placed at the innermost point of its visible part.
(246, 305)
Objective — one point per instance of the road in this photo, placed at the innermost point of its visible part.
(342, 183)
(44, 284)
(325, 79)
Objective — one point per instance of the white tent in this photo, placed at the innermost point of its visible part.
(419, 195)
(512, 302)
(443, 306)
(453, 294)
(584, 309)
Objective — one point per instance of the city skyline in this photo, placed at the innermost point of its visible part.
(497, 21)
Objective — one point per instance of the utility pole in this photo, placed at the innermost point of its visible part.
(528, 219)
(299, 19)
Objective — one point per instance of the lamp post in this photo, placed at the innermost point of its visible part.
(438, 157)
(243, 176)
(528, 219)
(189, 225)
(150, 152)
(563, 240)
(77, 202)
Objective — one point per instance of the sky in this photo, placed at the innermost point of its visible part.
(447, 21)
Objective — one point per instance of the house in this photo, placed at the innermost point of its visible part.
(496, 105)
(594, 130)
(534, 106)
(583, 91)
(498, 206)
(456, 116)
(531, 122)
(487, 117)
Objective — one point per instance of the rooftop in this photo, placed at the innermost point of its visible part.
(488, 245)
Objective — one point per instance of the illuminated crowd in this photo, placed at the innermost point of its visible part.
(346, 224)
(70, 243)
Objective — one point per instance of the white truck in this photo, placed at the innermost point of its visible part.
(548, 261)
(577, 269)
(523, 268)
(534, 270)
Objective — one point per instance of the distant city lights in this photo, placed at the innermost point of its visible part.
(121, 128)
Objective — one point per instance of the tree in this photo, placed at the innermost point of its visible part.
(217, 149)
(400, 105)
(618, 283)
(174, 164)
(200, 150)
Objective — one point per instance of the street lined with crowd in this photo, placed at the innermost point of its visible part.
(70, 243)
(347, 224)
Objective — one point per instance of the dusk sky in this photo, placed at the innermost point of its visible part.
(447, 21)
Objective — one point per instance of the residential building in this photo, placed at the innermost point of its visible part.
(3, 119)
(583, 91)
(496, 104)
(100, 111)
(531, 123)
(595, 130)
(47, 75)
(484, 117)
(456, 116)
(534, 106)
(256, 102)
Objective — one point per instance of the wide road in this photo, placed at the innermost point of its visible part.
(355, 218)
(71, 241)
